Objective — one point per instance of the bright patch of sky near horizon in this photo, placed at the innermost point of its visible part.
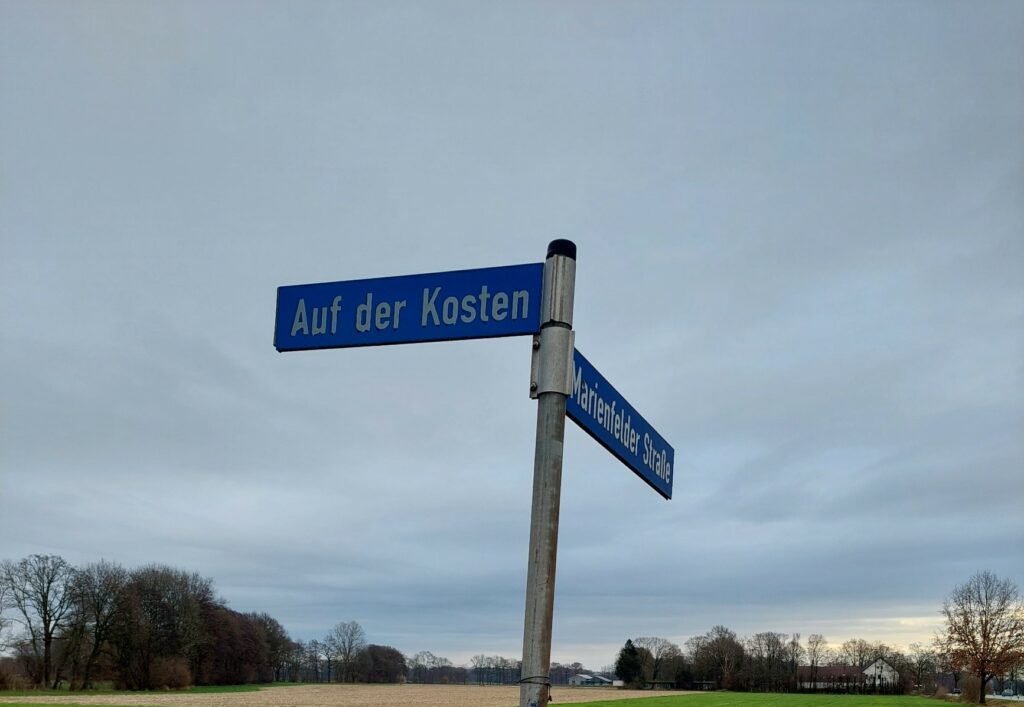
(801, 239)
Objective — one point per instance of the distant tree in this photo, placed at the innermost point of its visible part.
(679, 670)
(237, 650)
(312, 657)
(923, 663)
(96, 590)
(279, 645)
(857, 652)
(718, 656)
(659, 651)
(419, 666)
(160, 634)
(41, 593)
(629, 665)
(766, 659)
(329, 650)
(477, 662)
(5, 605)
(349, 641)
(384, 664)
(559, 673)
(945, 663)
(984, 632)
(816, 655)
(292, 666)
(794, 654)
(427, 668)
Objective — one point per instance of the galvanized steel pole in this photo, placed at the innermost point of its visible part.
(551, 384)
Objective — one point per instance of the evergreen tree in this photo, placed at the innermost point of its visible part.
(629, 663)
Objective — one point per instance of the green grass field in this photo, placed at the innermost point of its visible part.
(755, 699)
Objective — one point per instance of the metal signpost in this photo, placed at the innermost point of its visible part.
(513, 300)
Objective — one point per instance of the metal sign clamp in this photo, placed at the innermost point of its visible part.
(556, 375)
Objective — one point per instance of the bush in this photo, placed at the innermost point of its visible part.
(971, 691)
(10, 677)
(170, 674)
(941, 693)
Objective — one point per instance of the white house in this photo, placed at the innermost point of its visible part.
(880, 673)
(841, 678)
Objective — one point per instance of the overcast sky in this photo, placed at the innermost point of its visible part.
(801, 258)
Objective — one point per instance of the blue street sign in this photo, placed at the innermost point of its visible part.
(462, 304)
(604, 414)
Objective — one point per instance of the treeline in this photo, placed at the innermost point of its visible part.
(147, 628)
(343, 655)
(773, 662)
(425, 667)
(158, 627)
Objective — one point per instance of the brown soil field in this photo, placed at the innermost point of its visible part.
(344, 696)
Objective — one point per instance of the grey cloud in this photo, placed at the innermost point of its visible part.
(799, 234)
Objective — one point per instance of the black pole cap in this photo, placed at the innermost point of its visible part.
(562, 246)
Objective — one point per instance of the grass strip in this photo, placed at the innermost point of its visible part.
(196, 690)
(62, 704)
(756, 699)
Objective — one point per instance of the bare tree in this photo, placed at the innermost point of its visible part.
(313, 651)
(660, 652)
(97, 590)
(766, 656)
(984, 627)
(5, 604)
(478, 663)
(40, 588)
(349, 640)
(816, 647)
(795, 654)
(856, 652)
(922, 663)
(329, 650)
(717, 656)
(421, 664)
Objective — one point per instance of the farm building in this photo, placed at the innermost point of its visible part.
(585, 680)
(878, 675)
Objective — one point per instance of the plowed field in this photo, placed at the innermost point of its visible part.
(343, 696)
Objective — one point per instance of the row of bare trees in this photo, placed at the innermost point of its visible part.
(425, 667)
(156, 627)
(159, 627)
(343, 655)
(496, 669)
(429, 669)
(151, 627)
(777, 662)
(983, 637)
(764, 662)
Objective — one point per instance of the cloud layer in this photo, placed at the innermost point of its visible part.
(800, 246)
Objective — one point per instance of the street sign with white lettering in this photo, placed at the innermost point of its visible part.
(489, 302)
(604, 414)
(461, 304)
